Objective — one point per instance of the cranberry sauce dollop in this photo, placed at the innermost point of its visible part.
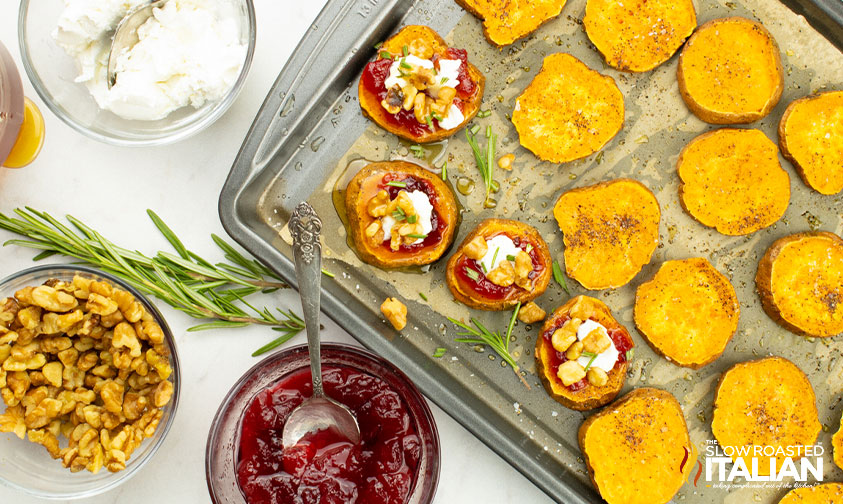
(415, 184)
(622, 342)
(324, 468)
(376, 72)
(482, 286)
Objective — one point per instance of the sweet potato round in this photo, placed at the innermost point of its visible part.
(638, 35)
(811, 137)
(611, 230)
(505, 21)
(638, 450)
(800, 281)
(591, 396)
(837, 445)
(826, 493)
(492, 227)
(688, 312)
(730, 71)
(364, 186)
(766, 402)
(569, 111)
(731, 180)
(420, 41)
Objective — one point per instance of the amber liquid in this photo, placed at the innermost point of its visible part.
(30, 138)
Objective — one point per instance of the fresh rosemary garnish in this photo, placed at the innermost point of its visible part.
(396, 184)
(429, 121)
(560, 277)
(412, 219)
(629, 354)
(404, 64)
(445, 170)
(405, 50)
(421, 295)
(529, 248)
(479, 335)
(443, 81)
(484, 113)
(184, 280)
(386, 55)
(378, 45)
(510, 257)
(590, 361)
(418, 151)
(327, 273)
(398, 214)
(470, 273)
(417, 236)
(485, 159)
(495, 256)
(439, 352)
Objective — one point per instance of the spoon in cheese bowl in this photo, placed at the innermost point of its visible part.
(319, 412)
(126, 35)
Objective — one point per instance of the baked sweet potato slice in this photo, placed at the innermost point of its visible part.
(730, 71)
(471, 270)
(611, 230)
(638, 450)
(434, 86)
(379, 194)
(826, 493)
(767, 402)
(505, 21)
(800, 282)
(638, 35)
(731, 180)
(837, 445)
(811, 137)
(589, 391)
(688, 312)
(569, 111)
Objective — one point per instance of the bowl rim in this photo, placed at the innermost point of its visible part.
(186, 131)
(214, 440)
(131, 468)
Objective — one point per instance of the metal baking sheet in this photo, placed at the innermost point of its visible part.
(310, 128)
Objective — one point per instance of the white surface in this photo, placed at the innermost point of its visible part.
(111, 187)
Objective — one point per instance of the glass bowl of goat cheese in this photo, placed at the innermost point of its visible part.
(189, 64)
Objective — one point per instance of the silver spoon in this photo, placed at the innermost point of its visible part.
(126, 35)
(319, 412)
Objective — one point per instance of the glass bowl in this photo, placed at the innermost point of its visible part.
(53, 73)
(224, 439)
(27, 466)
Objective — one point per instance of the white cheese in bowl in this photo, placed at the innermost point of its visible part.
(188, 54)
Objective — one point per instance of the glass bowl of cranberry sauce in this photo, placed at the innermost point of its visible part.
(397, 461)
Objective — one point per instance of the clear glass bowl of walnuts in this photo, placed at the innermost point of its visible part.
(89, 381)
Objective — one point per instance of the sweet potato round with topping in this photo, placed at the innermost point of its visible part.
(582, 395)
(730, 71)
(422, 42)
(638, 35)
(476, 290)
(569, 111)
(638, 450)
(826, 493)
(688, 312)
(800, 282)
(389, 176)
(811, 137)
(505, 21)
(611, 230)
(731, 180)
(767, 402)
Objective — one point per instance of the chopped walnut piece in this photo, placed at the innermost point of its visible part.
(505, 162)
(523, 268)
(395, 312)
(476, 249)
(531, 313)
(570, 372)
(561, 339)
(503, 275)
(574, 351)
(596, 341)
(597, 377)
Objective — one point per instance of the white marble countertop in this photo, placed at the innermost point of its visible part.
(110, 188)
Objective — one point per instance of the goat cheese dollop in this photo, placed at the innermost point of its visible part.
(188, 54)
(424, 209)
(606, 359)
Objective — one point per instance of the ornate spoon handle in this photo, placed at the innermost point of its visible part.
(306, 227)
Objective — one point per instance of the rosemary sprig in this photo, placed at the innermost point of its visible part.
(560, 277)
(479, 335)
(183, 280)
(484, 158)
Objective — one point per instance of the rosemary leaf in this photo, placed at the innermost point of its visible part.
(560, 277)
